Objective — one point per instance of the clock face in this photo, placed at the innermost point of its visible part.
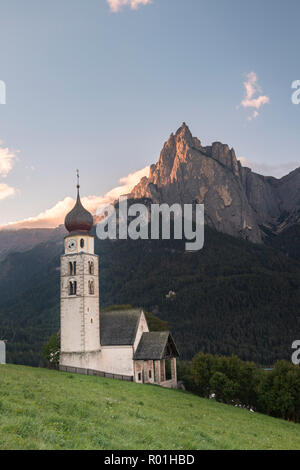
(72, 245)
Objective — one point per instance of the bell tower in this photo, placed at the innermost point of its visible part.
(79, 292)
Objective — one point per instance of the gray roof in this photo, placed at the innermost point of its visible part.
(119, 327)
(156, 345)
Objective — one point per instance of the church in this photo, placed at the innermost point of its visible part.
(115, 344)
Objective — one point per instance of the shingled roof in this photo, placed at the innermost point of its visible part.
(119, 327)
(156, 345)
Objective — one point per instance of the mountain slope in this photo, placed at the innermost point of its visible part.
(231, 297)
(287, 241)
(12, 241)
(42, 409)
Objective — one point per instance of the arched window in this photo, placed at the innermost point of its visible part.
(91, 267)
(91, 287)
(72, 288)
(72, 268)
(82, 243)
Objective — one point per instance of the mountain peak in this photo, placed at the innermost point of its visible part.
(184, 133)
(237, 201)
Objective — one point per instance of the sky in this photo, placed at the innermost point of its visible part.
(99, 85)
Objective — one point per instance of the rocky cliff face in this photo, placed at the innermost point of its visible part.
(237, 201)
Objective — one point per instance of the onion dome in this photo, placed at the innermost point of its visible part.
(79, 219)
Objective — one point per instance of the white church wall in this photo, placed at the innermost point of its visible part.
(117, 360)
(71, 325)
(142, 328)
(91, 322)
(86, 360)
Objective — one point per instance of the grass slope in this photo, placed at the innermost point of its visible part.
(43, 409)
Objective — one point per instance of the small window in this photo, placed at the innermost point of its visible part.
(91, 267)
(72, 268)
(92, 321)
(150, 374)
(139, 376)
(72, 288)
(91, 287)
(82, 243)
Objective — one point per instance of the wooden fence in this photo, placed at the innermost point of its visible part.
(79, 370)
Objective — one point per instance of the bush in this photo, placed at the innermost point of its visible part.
(51, 351)
(224, 389)
(233, 381)
(279, 393)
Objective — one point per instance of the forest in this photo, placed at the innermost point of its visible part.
(231, 297)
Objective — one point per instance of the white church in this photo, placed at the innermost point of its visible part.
(116, 344)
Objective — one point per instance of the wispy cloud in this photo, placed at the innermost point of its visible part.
(267, 169)
(7, 160)
(117, 5)
(55, 216)
(254, 97)
(6, 191)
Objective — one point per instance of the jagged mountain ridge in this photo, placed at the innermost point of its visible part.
(237, 201)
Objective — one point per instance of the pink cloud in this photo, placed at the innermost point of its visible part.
(7, 160)
(55, 215)
(116, 5)
(6, 191)
(254, 98)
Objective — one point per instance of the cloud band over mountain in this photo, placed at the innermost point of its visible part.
(54, 216)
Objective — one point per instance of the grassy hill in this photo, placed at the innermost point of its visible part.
(43, 409)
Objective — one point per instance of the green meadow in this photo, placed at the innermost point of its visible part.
(45, 409)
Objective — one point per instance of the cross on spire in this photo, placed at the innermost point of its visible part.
(78, 185)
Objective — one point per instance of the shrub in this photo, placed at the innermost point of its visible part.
(51, 350)
(233, 381)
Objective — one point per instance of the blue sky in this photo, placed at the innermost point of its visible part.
(101, 90)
